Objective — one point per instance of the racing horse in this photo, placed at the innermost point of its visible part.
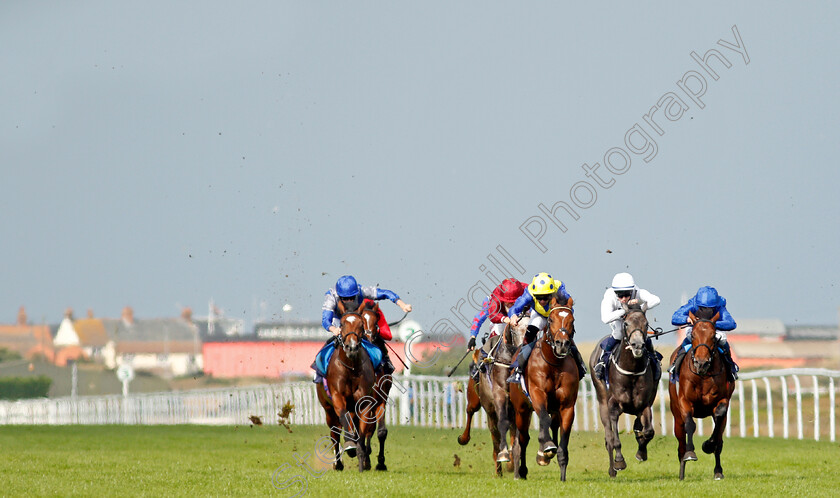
(632, 386)
(381, 388)
(492, 393)
(551, 378)
(703, 390)
(350, 379)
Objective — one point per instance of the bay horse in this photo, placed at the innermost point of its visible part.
(381, 388)
(350, 379)
(703, 390)
(552, 380)
(631, 389)
(493, 394)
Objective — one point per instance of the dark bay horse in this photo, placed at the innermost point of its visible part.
(381, 389)
(350, 379)
(552, 380)
(704, 390)
(632, 388)
(492, 393)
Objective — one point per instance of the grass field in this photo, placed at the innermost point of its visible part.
(191, 460)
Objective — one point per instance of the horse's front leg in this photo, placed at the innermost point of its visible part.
(643, 428)
(523, 424)
(547, 447)
(618, 462)
(366, 429)
(473, 405)
(500, 402)
(680, 417)
(567, 418)
(382, 435)
(715, 441)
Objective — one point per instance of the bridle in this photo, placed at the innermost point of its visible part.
(712, 352)
(626, 340)
(548, 337)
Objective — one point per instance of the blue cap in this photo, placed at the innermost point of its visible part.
(347, 287)
(707, 297)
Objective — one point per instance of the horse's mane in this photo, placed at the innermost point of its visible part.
(635, 307)
(704, 313)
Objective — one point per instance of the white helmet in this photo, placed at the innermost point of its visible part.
(623, 281)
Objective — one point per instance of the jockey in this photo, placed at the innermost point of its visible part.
(623, 292)
(538, 297)
(351, 294)
(706, 301)
(495, 307)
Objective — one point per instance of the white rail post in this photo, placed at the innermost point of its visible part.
(785, 415)
(831, 407)
(661, 395)
(816, 409)
(584, 401)
(742, 426)
(770, 428)
(798, 405)
(595, 409)
(755, 407)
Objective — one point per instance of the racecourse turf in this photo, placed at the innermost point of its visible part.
(214, 461)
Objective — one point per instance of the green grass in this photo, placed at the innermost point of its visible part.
(190, 460)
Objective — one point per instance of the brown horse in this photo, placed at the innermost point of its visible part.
(350, 379)
(381, 388)
(552, 379)
(632, 388)
(704, 390)
(492, 393)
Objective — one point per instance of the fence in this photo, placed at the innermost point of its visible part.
(774, 403)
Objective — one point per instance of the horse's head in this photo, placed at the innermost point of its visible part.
(702, 342)
(635, 329)
(352, 330)
(561, 327)
(370, 316)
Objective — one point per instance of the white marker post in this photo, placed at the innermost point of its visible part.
(125, 373)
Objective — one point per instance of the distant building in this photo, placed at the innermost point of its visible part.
(278, 349)
(769, 343)
(27, 340)
(166, 346)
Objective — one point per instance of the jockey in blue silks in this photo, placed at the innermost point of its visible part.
(708, 300)
(538, 298)
(351, 294)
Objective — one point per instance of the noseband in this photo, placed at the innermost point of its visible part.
(712, 352)
(549, 339)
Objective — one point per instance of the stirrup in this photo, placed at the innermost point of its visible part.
(515, 377)
(599, 370)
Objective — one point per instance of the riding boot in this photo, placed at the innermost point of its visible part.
(522, 355)
(474, 372)
(655, 358)
(727, 354)
(579, 360)
(387, 366)
(607, 345)
(318, 377)
(674, 369)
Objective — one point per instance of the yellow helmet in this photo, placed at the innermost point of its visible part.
(543, 284)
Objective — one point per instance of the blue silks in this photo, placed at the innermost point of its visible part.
(322, 359)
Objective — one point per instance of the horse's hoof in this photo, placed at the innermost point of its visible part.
(542, 461)
(367, 466)
(612, 472)
(689, 456)
(504, 456)
(620, 465)
(708, 447)
(549, 451)
(338, 465)
(509, 467)
(381, 466)
(463, 441)
(350, 451)
(718, 476)
(641, 456)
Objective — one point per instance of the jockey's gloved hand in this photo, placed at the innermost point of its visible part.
(471, 344)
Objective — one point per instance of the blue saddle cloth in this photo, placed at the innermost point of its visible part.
(322, 359)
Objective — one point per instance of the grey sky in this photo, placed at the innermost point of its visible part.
(157, 154)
